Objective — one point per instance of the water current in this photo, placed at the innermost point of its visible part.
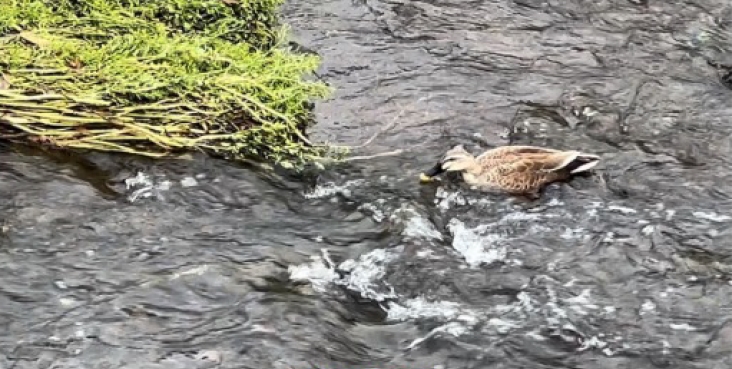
(119, 262)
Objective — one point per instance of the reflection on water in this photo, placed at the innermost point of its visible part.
(118, 262)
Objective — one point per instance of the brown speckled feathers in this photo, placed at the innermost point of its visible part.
(514, 169)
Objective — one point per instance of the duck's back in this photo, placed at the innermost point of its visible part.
(518, 169)
(505, 151)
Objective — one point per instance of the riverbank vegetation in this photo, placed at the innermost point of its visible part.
(155, 78)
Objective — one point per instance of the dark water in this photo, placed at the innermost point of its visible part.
(109, 262)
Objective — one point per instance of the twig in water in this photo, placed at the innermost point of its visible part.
(512, 125)
(388, 127)
(381, 154)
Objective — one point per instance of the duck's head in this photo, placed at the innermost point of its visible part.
(456, 159)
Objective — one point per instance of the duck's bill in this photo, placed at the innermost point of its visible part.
(429, 175)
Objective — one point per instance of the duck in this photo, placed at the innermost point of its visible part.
(514, 169)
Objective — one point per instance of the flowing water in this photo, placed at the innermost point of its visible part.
(118, 262)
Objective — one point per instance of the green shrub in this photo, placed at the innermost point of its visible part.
(155, 77)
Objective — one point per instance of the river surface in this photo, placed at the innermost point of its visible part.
(117, 262)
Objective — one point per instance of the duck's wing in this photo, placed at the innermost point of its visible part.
(516, 150)
(544, 162)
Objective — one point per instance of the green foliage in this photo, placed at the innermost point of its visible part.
(154, 77)
(249, 21)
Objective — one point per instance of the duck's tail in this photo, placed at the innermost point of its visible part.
(578, 162)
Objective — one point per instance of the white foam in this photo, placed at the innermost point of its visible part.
(622, 209)
(330, 189)
(426, 254)
(518, 315)
(648, 230)
(145, 187)
(483, 244)
(570, 233)
(503, 326)
(475, 248)
(188, 182)
(714, 217)
(525, 302)
(376, 213)
(517, 217)
(554, 202)
(144, 183)
(141, 179)
(319, 272)
(421, 308)
(362, 274)
(647, 307)
(592, 208)
(365, 276)
(68, 301)
(582, 302)
(415, 225)
(197, 270)
(666, 346)
(446, 200)
(682, 327)
(536, 336)
(594, 342)
(455, 329)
